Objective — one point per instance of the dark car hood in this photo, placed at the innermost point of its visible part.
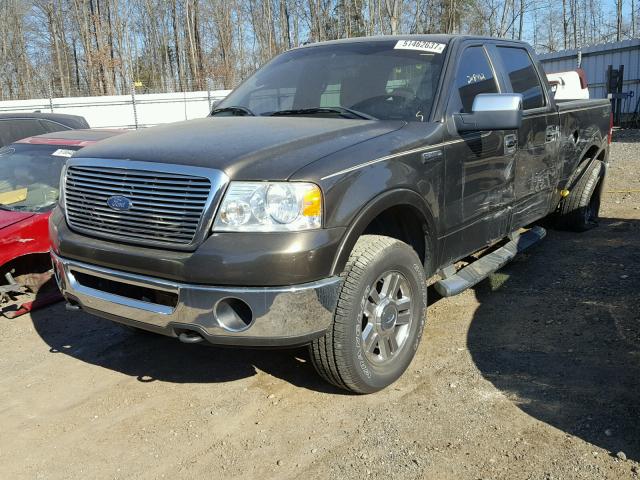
(245, 148)
(10, 218)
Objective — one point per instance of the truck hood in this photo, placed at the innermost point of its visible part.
(10, 218)
(245, 148)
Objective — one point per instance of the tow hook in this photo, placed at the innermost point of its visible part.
(190, 337)
(71, 307)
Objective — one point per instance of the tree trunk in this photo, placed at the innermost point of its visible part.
(618, 20)
(565, 23)
(176, 42)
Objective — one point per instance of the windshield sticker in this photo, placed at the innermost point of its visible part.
(431, 47)
(61, 152)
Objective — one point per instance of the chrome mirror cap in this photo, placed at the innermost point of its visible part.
(495, 102)
(491, 111)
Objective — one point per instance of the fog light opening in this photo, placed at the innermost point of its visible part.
(233, 314)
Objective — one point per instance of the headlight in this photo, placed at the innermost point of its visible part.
(62, 183)
(270, 207)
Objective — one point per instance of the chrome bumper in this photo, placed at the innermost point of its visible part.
(291, 315)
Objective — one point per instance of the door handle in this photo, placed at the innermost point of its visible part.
(510, 143)
(552, 133)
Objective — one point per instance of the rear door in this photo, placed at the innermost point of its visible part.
(536, 163)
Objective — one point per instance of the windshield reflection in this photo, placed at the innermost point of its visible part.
(376, 80)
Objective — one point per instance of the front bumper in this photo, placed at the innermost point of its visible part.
(276, 316)
(234, 258)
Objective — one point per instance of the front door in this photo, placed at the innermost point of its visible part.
(479, 183)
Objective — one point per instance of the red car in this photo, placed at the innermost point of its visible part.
(29, 183)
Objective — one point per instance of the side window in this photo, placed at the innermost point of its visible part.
(17, 129)
(331, 96)
(333, 86)
(272, 99)
(523, 76)
(48, 126)
(474, 76)
(407, 78)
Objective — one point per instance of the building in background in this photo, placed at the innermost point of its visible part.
(595, 61)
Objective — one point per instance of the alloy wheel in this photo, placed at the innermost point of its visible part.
(387, 317)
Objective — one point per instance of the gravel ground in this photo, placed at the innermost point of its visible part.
(532, 375)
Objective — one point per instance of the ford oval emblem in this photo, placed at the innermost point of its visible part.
(120, 203)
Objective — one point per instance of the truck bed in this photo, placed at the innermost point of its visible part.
(565, 105)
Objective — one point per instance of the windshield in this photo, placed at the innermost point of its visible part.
(385, 80)
(30, 176)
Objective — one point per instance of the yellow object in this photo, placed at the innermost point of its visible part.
(13, 196)
(564, 193)
(312, 202)
(137, 84)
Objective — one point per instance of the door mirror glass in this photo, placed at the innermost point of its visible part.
(492, 111)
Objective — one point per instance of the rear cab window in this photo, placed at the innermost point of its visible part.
(474, 76)
(49, 126)
(522, 75)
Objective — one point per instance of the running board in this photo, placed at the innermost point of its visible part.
(483, 267)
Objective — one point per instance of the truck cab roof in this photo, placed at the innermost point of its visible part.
(14, 126)
(440, 38)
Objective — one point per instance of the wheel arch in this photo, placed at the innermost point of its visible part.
(593, 153)
(404, 207)
(27, 263)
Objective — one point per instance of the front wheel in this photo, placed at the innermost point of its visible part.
(379, 319)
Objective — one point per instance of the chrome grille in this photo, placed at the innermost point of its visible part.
(166, 208)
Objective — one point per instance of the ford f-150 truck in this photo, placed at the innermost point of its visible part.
(313, 204)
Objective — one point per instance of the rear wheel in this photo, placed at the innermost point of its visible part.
(379, 319)
(579, 211)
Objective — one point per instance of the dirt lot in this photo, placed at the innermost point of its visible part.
(532, 375)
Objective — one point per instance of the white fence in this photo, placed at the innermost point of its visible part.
(124, 111)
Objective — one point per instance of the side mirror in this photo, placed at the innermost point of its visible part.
(492, 111)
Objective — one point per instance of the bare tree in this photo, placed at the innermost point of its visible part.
(618, 20)
(92, 47)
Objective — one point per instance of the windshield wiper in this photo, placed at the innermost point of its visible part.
(311, 111)
(4, 207)
(235, 110)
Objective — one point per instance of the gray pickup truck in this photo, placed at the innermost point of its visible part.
(313, 204)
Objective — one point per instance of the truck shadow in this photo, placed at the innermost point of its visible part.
(558, 332)
(149, 357)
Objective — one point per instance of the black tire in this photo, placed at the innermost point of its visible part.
(579, 210)
(339, 356)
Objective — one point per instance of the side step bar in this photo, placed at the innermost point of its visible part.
(483, 267)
